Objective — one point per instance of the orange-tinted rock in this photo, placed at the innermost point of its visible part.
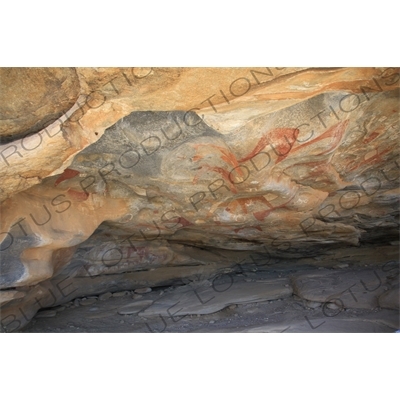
(283, 162)
(33, 98)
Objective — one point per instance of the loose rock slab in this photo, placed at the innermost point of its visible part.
(209, 299)
(143, 290)
(105, 296)
(88, 302)
(352, 289)
(120, 294)
(135, 307)
(46, 314)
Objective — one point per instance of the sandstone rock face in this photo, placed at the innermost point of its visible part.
(143, 177)
(33, 98)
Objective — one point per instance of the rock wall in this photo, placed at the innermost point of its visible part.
(119, 178)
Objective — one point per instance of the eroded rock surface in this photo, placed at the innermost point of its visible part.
(33, 98)
(152, 177)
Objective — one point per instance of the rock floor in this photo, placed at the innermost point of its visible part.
(280, 300)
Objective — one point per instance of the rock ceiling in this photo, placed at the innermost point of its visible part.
(120, 178)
